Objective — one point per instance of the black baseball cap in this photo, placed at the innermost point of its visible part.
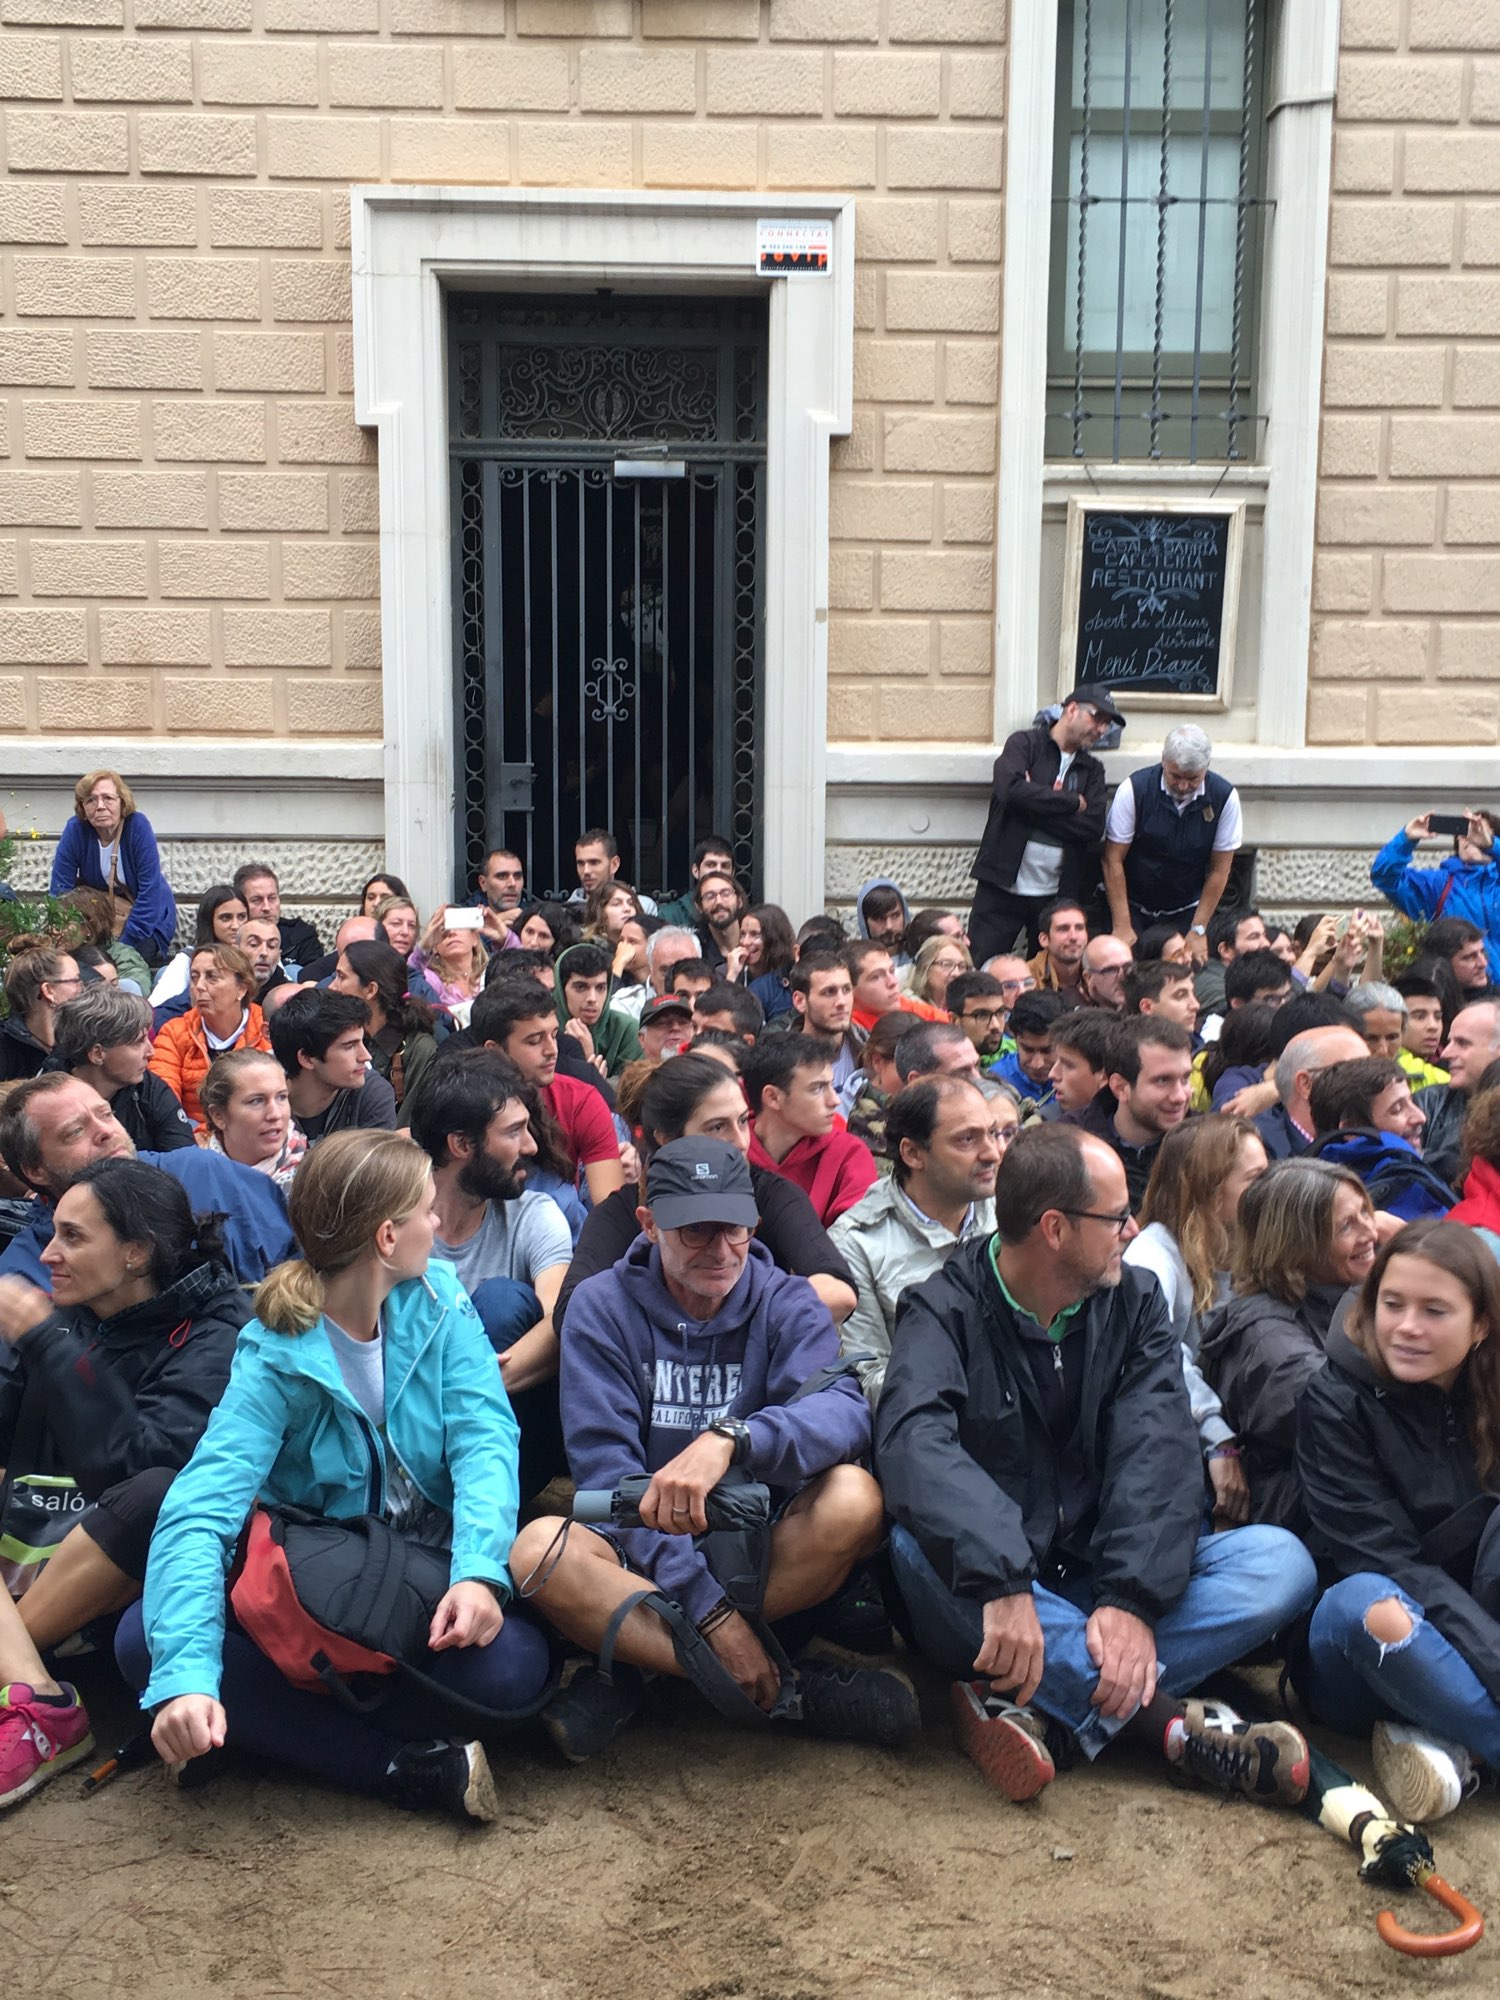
(700, 1180)
(1096, 697)
(666, 1003)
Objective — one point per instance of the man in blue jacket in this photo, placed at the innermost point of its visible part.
(691, 1356)
(1465, 884)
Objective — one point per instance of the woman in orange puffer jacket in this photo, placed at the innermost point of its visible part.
(223, 1016)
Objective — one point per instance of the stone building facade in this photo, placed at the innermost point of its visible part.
(217, 542)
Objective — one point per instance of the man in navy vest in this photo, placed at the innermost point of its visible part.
(1169, 842)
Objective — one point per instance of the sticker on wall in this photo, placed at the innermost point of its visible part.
(784, 249)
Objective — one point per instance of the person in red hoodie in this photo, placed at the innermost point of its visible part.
(1480, 1206)
(789, 1083)
(876, 990)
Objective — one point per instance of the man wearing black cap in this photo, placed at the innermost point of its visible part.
(666, 1026)
(1046, 821)
(691, 1356)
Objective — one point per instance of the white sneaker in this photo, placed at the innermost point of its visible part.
(1424, 1777)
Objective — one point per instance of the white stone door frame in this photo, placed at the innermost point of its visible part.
(409, 244)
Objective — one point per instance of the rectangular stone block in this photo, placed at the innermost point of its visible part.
(209, 431)
(856, 452)
(203, 288)
(926, 301)
(34, 358)
(64, 13)
(912, 712)
(593, 20)
(330, 569)
(40, 500)
(310, 149)
(214, 569)
(265, 218)
(971, 371)
(706, 156)
(691, 21)
(100, 287)
(1383, 377)
(897, 231)
(269, 361)
(1410, 715)
(147, 215)
(43, 638)
(376, 74)
(1476, 378)
(1364, 162)
(87, 428)
(880, 647)
(10, 576)
(574, 155)
(1391, 232)
(851, 711)
(1452, 24)
(131, 360)
(321, 434)
(951, 157)
(343, 364)
(275, 502)
(825, 20)
(1444, 582)
(820, 156)
(851, 580)
(1378, 515)
(340, 707)
(968, 513)
(976, 87)
(258, 73)
(1457, 447)
(910, 581)
(1447, 305)
(1343, 650)
(1484, 93)
(775, 83)
(1337, 714)
(975, 229)
(446, 18)
(154, 638)
(311, 288)
(361, 637)
(1469, 651)
(451, 149)
(865, 511)
(88, 569)
(199, 144)
(510, 79)
(1472, 515)
(277, 638)
(895, 371)
(67, 142)
(78, 701)
(226, 15)
(882, 86)
(112, 71)
(217, 705)
(638, 80)
(1350, 448)
(1481, 232)
(946, 21)
(1358, 305)
(323, 17)
(150, 499)
(939, 443)
(1400, 90)
(30, 67)
(359, 503)
(32, 214)
(1343, 582)
(1452, 163)
(1370, 24)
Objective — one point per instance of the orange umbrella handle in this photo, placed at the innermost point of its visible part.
(1417, 1944)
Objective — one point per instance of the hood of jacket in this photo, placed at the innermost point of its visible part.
(206, 1291)
(1480, 1207)
(614, 1033)
(1363, 1149)
(639, 1271)
(879, 882)
(1225, 1326)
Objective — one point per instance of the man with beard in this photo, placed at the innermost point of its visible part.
(260, 941)
(823, 1004)
(509, 1245)
(720, 906)
(1146, 1095)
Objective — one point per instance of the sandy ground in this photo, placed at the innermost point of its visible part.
(695, 1863)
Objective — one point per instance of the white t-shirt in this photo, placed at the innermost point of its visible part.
(1040, 872)
(1120, 826)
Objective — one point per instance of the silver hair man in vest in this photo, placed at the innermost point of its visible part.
(1169, 843)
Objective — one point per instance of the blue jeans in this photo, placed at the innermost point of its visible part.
(1244, 1586)
(1354, 1679)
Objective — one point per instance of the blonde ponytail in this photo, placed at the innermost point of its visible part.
(344, 1190)
(290, 1298)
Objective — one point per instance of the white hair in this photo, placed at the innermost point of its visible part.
(659, 938)
(1187, 747)
(1375, 993)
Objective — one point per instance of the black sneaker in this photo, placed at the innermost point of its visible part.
(868, 1704)
(1267, 1761)
(452, 1776)
(588, 1714)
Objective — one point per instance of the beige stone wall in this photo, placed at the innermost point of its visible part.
(1406, 594)
(188, 510)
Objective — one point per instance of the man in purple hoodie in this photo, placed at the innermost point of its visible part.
(692, 1355)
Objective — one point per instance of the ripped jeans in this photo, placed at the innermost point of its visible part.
(1354, 1680)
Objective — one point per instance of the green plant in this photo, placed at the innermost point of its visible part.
(28, 921)
(1405, 942)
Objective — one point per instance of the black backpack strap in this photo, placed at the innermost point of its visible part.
(702, 1666)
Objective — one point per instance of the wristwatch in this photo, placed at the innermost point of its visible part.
(1197, 930)
(738, 1435)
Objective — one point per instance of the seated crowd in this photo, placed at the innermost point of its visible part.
(1091, 1316)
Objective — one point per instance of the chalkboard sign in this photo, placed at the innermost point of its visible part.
(1151, 599)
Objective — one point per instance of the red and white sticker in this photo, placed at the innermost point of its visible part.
(790, 249)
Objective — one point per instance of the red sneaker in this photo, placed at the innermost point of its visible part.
(1006, 1742)
(38, 1739)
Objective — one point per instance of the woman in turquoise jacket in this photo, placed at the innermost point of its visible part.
(1465, 883)
(365, 1383)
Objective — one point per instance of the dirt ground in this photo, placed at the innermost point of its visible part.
(695, 1863)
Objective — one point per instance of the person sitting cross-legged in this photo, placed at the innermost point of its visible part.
(692, 1356)
(1036, 1447)
(789, 1084)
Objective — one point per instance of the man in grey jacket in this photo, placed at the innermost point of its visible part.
(941, 1132)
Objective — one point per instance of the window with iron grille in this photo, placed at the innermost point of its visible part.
(1158, 210)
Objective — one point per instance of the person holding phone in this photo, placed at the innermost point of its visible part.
(1465, 883)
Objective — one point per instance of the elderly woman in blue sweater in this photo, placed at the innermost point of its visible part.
(109, 845)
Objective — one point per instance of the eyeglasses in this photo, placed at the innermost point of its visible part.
(1120, 1221)
(984, 1014)
(1027, 985)
(702, 1235)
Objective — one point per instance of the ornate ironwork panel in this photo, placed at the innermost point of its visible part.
(609, 479)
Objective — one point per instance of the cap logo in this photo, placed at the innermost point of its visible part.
(702, 1171)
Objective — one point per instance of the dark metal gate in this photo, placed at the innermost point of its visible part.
(608, 497)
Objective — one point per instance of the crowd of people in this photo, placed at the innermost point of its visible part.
(1087, 1292)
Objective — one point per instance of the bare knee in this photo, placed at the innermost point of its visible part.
(532, 1547)
(1388, 1622)
(850, 1510)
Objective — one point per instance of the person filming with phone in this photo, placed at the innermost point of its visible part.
(1465, 883)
